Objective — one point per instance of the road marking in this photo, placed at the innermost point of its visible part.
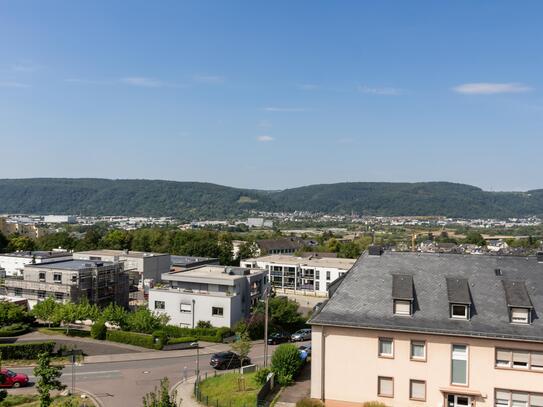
(100, 372)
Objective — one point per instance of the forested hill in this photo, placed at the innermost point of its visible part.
(193, 200)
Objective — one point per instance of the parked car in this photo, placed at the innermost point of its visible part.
(305, 348)
(228, 360)
(301, 335)
(277, 338)
(9, 378)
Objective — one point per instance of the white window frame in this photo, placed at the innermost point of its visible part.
(385, 355)
(184, 311)
(465, 358)
(217, 315)
(524, 321)
(379, 378)
(464, 316)
(412, 356)
(403, 302)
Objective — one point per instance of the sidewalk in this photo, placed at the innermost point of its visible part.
(299, 390)
(184, 393)
(205, 349)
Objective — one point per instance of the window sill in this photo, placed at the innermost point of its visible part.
(418, 360)
(384, 395)
(416, 399)
(385, 356)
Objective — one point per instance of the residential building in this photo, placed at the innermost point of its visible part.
(301, 275)
(420, 329)
(221, 295)
(140, 266)
(180, 263)
(22, 228)
(14, 263)
(98, 282)
(285, 245)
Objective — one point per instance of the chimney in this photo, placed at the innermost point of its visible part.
(375, 250)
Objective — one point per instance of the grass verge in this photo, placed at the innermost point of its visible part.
(227, 390)
(32, 400)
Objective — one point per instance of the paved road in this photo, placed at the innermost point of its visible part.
(125, 383)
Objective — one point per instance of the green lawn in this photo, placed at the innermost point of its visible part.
(226, 390)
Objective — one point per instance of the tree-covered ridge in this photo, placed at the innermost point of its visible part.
(196, 200)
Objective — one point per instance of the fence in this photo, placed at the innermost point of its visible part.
(262, 394)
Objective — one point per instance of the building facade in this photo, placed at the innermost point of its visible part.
(14, 263)
(412, 329)
(301, 275)
(221, 295)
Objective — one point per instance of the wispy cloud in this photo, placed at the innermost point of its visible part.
(384, 91)
(265, 139)
(13, 84)
(24, 67)
(142, 81)
(284, 109)
(209, 79)
(489, 88)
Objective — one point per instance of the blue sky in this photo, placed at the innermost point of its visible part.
(273, 94)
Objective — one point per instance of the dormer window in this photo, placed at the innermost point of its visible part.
(520, 315)
(459, 298)
(402, 294)
(459, 311)
(518, 301)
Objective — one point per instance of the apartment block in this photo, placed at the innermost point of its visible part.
(221, 295)
(414, 329)
(98, 282)
(14, 263)
(301, 275)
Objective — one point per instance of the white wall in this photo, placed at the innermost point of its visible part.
(231, 305)
(14, 265)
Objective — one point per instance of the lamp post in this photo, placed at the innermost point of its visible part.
(193, 306)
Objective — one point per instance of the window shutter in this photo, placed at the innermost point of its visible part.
(504, 354)
(418, 390)
(385, 386)
(536, 400)
(521, 357)
(402, 307)
(519, 314)
(502, 395)
(537, 360)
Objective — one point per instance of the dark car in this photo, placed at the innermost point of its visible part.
(228, 360)
(9, 378)
(277, 338)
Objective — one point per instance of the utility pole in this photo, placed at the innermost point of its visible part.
(266, 297)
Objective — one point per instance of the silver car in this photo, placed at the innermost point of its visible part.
(301, 335)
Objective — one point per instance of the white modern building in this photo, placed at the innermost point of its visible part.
(14, 263)
(59, 219)
(301, 275)
(218, 294)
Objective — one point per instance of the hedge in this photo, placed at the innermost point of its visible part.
(14, 330)
(134, 338)
(202, 334)
(184, 339)
(26, 350)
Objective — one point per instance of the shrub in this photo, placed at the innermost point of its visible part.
(14, 330)
(262, 375)
(285, 363)
(99, 330)
(27, 350)
(201, 334)
(204, 324)
(133, 338)
(373, 404)
(307, 402)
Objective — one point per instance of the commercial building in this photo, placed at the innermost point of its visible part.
(301, 275)
(14, 263)
(418, 329)
(285, 245)
(99, 282)
(59, 219)
(221, 295)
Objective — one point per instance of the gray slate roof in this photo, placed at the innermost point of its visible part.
(364, 297)
(458, 291)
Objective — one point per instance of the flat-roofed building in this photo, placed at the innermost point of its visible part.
(180, 263)
(421, 329)
(221, 295)
(99, 282)
(301, 275)
(15, 262)
(140, 266)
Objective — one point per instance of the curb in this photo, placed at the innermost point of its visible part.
(91, 396)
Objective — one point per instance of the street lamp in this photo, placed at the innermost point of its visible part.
(196, 344)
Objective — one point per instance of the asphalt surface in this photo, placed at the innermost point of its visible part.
(125, 383)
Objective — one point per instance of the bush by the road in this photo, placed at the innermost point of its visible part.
(262, 375)
(307, 402)
(14, 330)
(286, 363)
(185, 339)
(133, 338)
(25, 350)
(202, 334)
(99, 330)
